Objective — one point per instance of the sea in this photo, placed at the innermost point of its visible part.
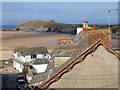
(7, 27)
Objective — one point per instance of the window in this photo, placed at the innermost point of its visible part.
(45, 56)
(33, 56)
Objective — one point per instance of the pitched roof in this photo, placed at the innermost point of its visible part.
(39, 61)
(78, 57)
(31, 51)
(68, 65)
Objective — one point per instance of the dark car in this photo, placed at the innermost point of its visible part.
(19, 77)
(21, 83)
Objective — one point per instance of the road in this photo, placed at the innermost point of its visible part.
(8, 81)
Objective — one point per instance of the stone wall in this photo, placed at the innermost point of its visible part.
(104, 35)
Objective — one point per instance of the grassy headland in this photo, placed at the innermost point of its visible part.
(49, 26)
(52, 26)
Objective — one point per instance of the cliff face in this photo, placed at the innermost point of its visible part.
(50, 26)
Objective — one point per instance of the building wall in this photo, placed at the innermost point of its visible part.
(48, 56)
(14, 64)
(104, 35)
(22, 58)
(40, 68)
(14, 55)
(79, 30)
(39, 55)
(17, 66)
(28, 58)
(18, 56)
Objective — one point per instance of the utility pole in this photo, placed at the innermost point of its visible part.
(109, 16)
(109, 19)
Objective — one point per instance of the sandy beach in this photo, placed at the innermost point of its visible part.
(13, 39)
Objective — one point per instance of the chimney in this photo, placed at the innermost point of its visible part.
(94, 27)
(84, 24)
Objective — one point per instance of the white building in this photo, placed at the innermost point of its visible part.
(23, 55)
(79, 30)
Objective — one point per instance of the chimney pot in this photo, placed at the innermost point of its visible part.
(94, 27)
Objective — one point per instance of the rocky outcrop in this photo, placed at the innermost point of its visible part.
(52, 26)
(49, 26)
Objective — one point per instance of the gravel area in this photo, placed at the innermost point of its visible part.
(6, 67)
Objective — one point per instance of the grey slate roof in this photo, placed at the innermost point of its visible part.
(31, 51)
(39, 61)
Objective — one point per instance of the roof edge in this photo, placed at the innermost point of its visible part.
(79, 59)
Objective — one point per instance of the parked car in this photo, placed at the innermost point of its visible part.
(19, 77)
(21, 83)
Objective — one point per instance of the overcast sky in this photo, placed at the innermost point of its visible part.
(65, 12)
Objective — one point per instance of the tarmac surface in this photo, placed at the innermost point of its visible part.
(8, 81)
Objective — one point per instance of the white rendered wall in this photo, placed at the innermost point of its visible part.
(22, 58)
(15, 55)
(79, 30)
(40, 68)
(27, 58)
(49, 57)
(18, 67)
(14, 64)
(39, 56)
